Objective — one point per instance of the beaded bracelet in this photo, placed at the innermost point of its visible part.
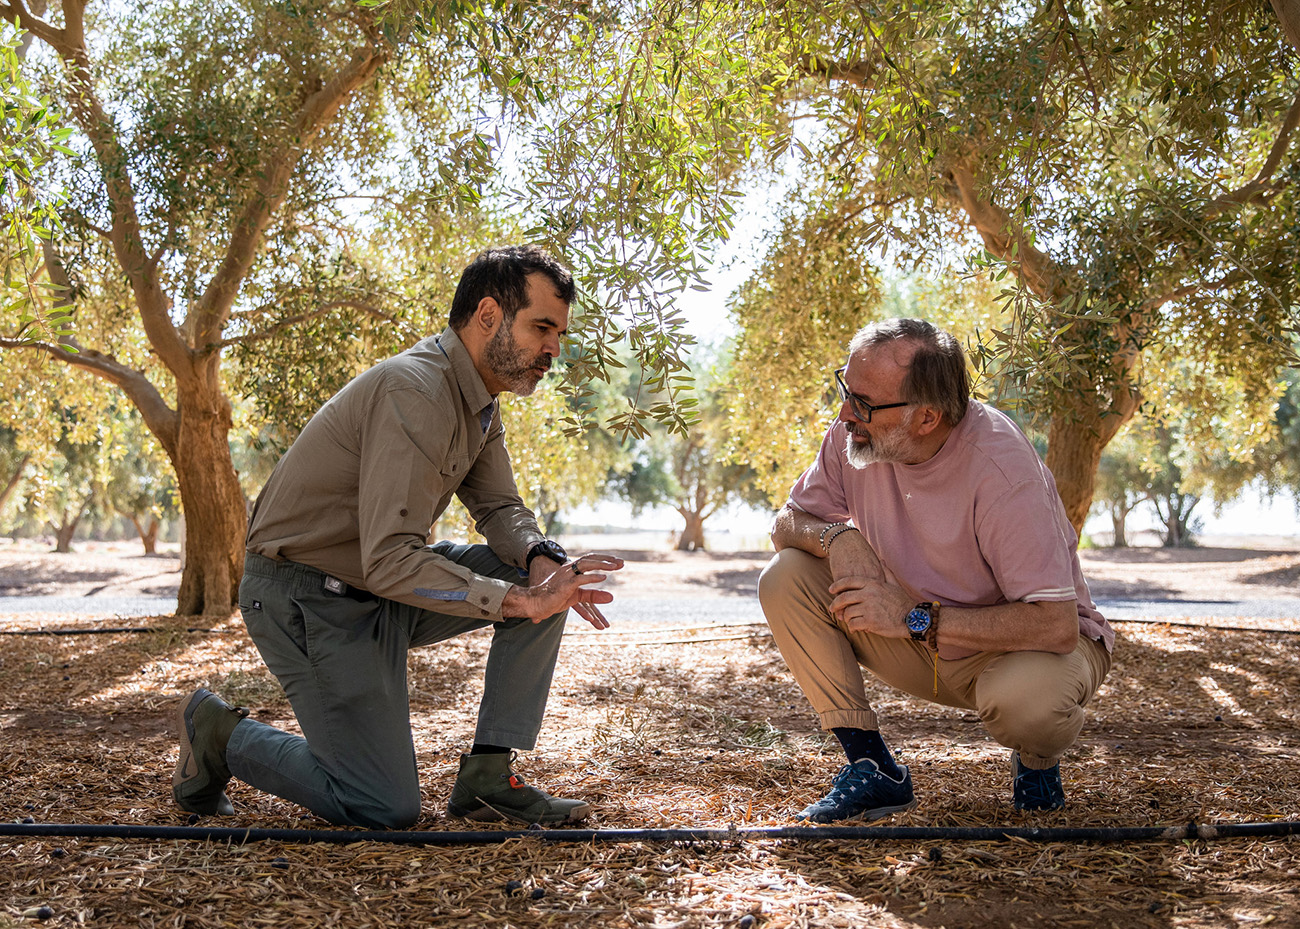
(821, 537)
(825, 542)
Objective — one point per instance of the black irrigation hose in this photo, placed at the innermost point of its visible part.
(1190, 625)
(104, 630)
(1180, 833)
(582, 636)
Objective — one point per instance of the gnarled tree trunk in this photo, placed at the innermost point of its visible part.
(195, 432)
(1079, 431)
(215, 521)
(63, 532)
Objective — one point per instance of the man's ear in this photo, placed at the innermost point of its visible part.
(929, 420)
(487, 316)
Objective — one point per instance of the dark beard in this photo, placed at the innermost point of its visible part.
(506, 361)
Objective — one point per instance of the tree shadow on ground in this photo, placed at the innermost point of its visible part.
(743, 583)
(1286, 576)
(55, 575)
(1181, 555)
(713, 734)
(1107, 589)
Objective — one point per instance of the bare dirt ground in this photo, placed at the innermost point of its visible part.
(668, 729)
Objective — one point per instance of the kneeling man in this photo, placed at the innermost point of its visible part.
(340, 582)
(927, 543)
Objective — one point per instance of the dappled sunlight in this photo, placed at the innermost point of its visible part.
(699, 733)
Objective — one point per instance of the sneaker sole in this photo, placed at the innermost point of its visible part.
(488, 814)
(867, 816)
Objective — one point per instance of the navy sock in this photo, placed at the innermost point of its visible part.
(481, 748)
(867, 743)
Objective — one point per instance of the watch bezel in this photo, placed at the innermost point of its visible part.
(547, 548)
(921, 611)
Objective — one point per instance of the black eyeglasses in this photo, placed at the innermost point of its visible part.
(861, 408)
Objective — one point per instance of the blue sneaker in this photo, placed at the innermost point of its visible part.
(863, 792)
(1036, 790)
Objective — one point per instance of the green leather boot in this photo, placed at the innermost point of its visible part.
(205, 722)
(487, 790)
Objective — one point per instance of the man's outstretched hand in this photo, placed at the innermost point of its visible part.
(553, 588)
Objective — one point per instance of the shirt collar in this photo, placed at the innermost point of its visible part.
(469, 380)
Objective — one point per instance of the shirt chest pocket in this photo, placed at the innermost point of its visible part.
(453, 470)
(455, 466)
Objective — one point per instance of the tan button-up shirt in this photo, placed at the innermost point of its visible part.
(358, 492)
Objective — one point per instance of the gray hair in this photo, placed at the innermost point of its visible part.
(937, 376)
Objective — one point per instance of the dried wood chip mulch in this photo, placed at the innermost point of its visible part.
(1192, 724)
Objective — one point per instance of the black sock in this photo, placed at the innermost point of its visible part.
(481, 748)
(867, 743)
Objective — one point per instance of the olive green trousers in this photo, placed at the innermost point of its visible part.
(342, 658)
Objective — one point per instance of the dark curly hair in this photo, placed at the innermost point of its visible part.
(502, 274)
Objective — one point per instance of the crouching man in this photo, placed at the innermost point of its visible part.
(340, 581)
(927, 544)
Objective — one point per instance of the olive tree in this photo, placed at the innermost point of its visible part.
(262, 198)
(1127, 167)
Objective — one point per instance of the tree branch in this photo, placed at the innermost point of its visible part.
(14, 478)
(1259, 188)
(861, 73)
(282, 325)
(1005, 239)
(1083, 61)
(1152, 304)
(29, 21)
(161, 419)
(1288, 14)
(212, 310)
(125, 235)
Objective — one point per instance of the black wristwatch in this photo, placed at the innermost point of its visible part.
(920, 618)
(551, 550)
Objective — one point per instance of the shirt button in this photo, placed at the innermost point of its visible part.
(483, 600)
(402, 512)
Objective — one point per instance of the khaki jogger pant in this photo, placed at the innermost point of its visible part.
(1032, 702)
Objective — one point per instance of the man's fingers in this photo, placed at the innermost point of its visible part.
(852, 582)
(592, 615)
(846, 600)
(594, 561)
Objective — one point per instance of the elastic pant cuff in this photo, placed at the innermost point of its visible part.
(1037, 762)
(849, 719)
(520, 741)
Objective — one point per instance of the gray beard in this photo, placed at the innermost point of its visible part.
(892, 447)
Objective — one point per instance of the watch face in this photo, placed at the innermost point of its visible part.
(551, 550)
(918, 620)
